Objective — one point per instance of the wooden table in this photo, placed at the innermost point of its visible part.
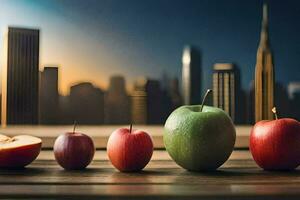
(238, 178)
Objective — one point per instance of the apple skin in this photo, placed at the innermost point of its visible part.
(19, 156)
(129, 151)
(199, 141)
(275, 144)
(74, 151)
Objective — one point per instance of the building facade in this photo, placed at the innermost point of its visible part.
(264, 74)
(227, 92)
(117, 103)
(147, 102)
(139, 102)
(191, 76)
(176, 99)
(86, 104)
(21, 77)
(49, 108)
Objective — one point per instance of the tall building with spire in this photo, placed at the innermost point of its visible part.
(264, 74)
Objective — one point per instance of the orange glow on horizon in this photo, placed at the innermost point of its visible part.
(68, 78)
(79, 65)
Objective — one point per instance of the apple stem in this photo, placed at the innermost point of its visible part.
(74, 126)
(204, 98)
(130, 128)
(275, 112)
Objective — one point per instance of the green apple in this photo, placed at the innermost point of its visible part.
(198, 137)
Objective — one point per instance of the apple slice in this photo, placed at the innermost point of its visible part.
(18, 151)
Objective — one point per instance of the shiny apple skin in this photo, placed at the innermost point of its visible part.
(74, 151)
(275, 145)
(19, 157)
(129, 152)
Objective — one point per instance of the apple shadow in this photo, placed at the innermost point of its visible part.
(141, 173)
(243, 172)
(23, 170)
(13, 168)
(79, 171)
(155, 172)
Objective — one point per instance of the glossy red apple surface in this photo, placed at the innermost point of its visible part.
(275, 144)
(18, 151)
(74, 150)
(129, 150)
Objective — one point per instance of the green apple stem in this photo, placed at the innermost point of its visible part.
(204, 98)
(130, 128)
(74, 126)
(275, 112)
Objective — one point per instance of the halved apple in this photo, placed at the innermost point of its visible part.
(18, 151)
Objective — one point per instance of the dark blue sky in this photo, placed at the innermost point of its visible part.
(146, 37)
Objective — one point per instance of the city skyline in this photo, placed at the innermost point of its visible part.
(30, 91)
(150, 102)
(234, 42)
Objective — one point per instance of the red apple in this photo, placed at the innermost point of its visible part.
(18, 151)
(74, 150)
(129, 150)
(275, 144)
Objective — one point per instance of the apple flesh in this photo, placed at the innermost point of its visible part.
(199, 139)
(18, 151)
(74, 150)
(275, 144)
(128, 150)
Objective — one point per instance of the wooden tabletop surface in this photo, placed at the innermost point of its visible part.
(238, 178)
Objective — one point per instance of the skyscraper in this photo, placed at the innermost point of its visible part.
(191, 76)
(175, 95)
(139, 102)
(154, 102)
(227, 93)
(65, 110)
(294, 96)
(48, 111)
(117, 105)
(146, 102)
(251, 104)
(264, 74)
(282, 100)
(295, 103)
(20, 85)
(293, 88)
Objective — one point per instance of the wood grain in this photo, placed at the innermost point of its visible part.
(238, 178)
